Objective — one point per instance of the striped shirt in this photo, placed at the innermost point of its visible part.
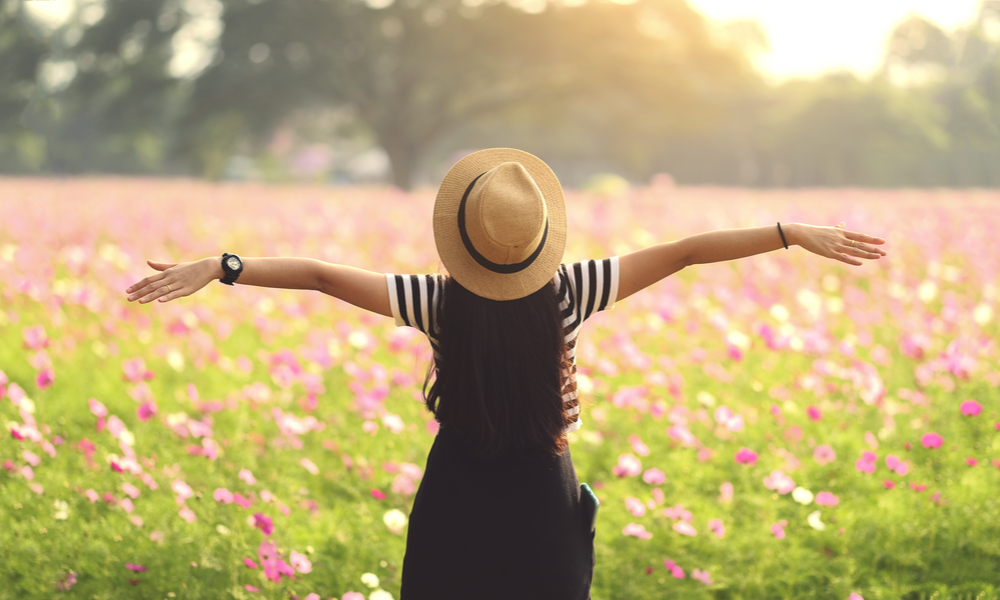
(582, 288)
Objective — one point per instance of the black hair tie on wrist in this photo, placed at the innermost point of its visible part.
(782, 236)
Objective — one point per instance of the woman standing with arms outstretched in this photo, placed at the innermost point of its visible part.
(499, 512)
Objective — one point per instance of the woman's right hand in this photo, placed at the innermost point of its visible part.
(175, 280)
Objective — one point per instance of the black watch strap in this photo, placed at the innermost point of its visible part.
(230, 274)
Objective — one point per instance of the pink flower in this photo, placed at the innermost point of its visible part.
(971, 408)
(971, 462)
(378, 494)
(45, 378)
(300, 563)
(309, 466)
(778, 529)
(635, 506)
(146, 410)
(674, 569)
(136, 568)
(824, 454)
(264, 523)
(638, 446)
(917, 487)
(242, 501)
(931, 440)
(855, 596)
(701, 576)
(716, 527)
(91, 495)
(726, 492)
(654, 476)
(746, 456)
(677, 512)
(628, 466)
(187, 514)
(826, 499)
(637, 531)
(814, 413)
(249, 563)
(34, 337)
(685, 528)
(182, 490)
(250, 588)
(357, 595)
(866, 464)
(223, 495)
(892, 461)
(403, 485)
(247, 476)
(267, 553)
(889, 484)
(312, 596)
(135, 370)
(779, 482)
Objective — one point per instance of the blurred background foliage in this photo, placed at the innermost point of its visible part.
(375, 90)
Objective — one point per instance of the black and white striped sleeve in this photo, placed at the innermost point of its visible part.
(414, 300)
(594, 286)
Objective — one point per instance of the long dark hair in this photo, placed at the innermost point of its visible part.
(498, 380)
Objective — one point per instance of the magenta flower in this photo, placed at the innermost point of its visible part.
(855, 596)
(971, 462)
(267, 553)
(45, 378)
(67, 580)
(826, 499)
(249, 563)
(971, 408)
(242, 501)
(250, 588)
(889, 484)
(917, 487)
(674, 569)
(654, 476)
(814, 413)
(146, 410)
(866, 464)
(824, 454)
(223, 495)
(931, 440)
(746, 456)
(378, 494)
(264, 523)
(136, 568)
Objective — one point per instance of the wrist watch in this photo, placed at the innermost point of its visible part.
(232, 266)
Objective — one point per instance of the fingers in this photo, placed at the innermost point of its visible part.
(862, 251)
(157, 289)
(145, 286)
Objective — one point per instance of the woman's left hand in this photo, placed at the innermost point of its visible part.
(174, 281)
(839, 244)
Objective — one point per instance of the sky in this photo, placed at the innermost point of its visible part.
(807, 37)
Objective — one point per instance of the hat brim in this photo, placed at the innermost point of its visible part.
(457, 260)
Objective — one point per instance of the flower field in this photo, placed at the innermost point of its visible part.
(782, 426)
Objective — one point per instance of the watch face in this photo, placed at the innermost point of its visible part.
(233, 263)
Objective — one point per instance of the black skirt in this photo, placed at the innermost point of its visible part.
(500, 528)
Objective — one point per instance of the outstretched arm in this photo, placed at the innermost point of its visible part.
(364, 289)
(645, 267)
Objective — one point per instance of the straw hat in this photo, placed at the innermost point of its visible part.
(500, 223)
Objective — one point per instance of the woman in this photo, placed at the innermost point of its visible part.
(499, 512)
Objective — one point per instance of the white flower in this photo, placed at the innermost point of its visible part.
(395, 520)
(222, 529)
(370, 579)
(62, 510)
(814, 522)
(380, 595)
(802, 496)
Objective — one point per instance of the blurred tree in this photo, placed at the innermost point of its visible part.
(22, 52)
(415, 69)
(122, 103)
